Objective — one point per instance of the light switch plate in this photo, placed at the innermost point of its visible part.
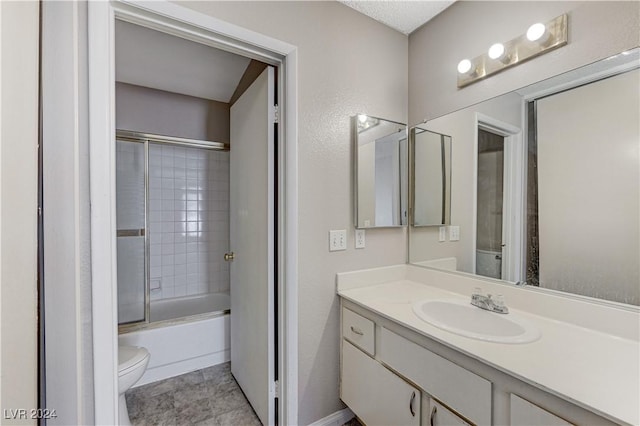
(338, 240)
(359, 238)
(442, 233)
(454, 233)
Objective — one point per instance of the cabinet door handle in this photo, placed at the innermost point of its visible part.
(413, 398)
(433, 415)
(357, 331)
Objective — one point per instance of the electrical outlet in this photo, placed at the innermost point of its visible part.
(338, 240)
(359, 238)
(454, 233)
(442, 233)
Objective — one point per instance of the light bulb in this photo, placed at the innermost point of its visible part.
(536, 31)
(496, 51)
(362, 118)
(464, 66)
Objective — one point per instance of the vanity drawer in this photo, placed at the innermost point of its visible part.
(460, 389)
(525, 413)
(358, 330)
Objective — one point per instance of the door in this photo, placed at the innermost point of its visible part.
(252, 193)
(376, 395)
(439, 415)
(490, 204)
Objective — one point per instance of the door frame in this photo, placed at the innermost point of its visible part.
(177, 20)
(513, 200)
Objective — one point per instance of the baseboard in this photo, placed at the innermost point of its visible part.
(336, 419)
(177, 368)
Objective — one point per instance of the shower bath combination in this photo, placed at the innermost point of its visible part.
(173, 232)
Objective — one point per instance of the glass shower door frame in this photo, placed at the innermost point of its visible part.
(128, 326)
(146, 139)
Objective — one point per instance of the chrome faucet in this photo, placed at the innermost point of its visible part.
(488, 302)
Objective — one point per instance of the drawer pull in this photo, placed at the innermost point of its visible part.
(413, 398)
(357, 331)
(433, 415)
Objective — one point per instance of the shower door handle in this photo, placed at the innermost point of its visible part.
(130, 232)
(228, 257)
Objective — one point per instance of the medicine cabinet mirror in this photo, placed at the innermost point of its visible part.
(380, 172)
(546, 185)
(430, 177)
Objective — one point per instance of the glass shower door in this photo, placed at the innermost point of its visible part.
(131, 231)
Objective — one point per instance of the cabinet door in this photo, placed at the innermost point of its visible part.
(375, 394)
(439, 415)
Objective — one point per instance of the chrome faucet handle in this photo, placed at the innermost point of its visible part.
(499, 305)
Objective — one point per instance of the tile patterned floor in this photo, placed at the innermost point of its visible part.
(353, 422)
(204, 397)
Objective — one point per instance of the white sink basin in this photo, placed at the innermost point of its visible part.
(462, 318)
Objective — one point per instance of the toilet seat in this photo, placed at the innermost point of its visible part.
(130, 358)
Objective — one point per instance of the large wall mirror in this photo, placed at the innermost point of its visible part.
(546, 185)
(380, 172)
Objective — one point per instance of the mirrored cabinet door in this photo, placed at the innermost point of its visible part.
(380, 172)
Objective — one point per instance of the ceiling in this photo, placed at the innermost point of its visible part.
(401, 15)
(150, 58)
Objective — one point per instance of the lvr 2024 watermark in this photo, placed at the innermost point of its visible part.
(28, 413)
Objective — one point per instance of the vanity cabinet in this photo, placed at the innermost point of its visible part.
(393, 379)
(379, 396)
(462, 390)
(374, 393)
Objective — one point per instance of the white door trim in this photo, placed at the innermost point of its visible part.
(178, 20)
(513, 205)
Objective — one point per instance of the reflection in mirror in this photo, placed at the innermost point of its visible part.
(546, 185)
(380, 153)
(431, 177)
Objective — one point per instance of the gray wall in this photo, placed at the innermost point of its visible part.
(467, 29)
(155, 111)
(347, 63)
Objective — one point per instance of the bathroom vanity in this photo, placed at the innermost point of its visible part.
(580, 365)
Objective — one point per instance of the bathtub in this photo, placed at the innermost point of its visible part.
(489, 263)
(185, 334)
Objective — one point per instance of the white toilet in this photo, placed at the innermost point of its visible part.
(132, 363)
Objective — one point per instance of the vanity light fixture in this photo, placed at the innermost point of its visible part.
(464, 66)
(496, 51)
(537, 32)
(540, 38)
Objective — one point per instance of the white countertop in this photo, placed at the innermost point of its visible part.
(595, 370)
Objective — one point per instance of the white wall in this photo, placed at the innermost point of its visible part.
(347, 64)
(589, 189)
(18, 206)
(597, 30)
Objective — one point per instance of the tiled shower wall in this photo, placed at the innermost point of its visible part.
(188, 221)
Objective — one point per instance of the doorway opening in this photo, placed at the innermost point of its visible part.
(196, 197)
(490, 202)
(499, 176)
